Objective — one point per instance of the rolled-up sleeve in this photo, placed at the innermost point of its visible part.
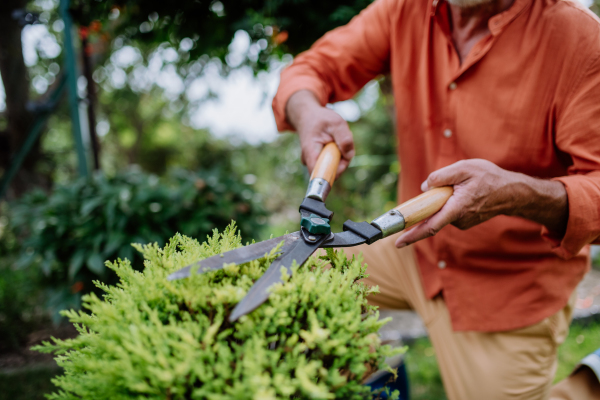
(340, 63)
(578, 137)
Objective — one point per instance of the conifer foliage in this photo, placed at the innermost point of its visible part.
(315, 338)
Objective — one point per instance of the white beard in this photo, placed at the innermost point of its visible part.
(468, 3)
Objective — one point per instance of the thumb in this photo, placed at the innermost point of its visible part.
(424, 186)
(450, 175)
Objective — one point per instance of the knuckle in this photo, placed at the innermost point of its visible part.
(431, 231)
(346, 145)
(461, 165)
(345, 137)
(432, 179)
(339, 123)
(332, 117)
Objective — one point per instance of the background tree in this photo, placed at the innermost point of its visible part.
(15, 125)
(198, 32)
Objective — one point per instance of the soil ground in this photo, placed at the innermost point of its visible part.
(26, 374)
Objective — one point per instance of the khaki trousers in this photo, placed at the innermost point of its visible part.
(517, 364)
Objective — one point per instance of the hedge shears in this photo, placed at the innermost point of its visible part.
(315, 232)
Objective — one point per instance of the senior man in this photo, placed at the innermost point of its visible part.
(501, 99)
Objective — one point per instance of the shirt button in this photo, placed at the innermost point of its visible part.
(452, 86)
(442, 264)
(447, 133)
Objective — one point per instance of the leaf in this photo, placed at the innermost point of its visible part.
(76, 263)
(115, 240)
(47, 266)
(90, 205)
(95, 264)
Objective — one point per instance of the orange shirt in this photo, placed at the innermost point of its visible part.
(527, 98)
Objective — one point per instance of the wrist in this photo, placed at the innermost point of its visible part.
(519, 194)
(300, 105)
(539, 200)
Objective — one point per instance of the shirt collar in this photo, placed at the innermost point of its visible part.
(497, 23)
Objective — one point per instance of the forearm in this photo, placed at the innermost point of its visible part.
(300, 105)
(483, 190)
(539, 200)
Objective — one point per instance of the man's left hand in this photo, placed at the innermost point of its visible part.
(482, 190)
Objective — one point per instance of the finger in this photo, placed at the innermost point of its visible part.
(429, 227)
(310, 154)
(343, 138)
(342, 166)
(451, 175)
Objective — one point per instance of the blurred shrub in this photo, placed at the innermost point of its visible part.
(19, 294)
(69, 234)
(19, 312)
(314, 338)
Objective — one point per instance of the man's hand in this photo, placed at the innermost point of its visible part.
(482, 190)
(317, 125)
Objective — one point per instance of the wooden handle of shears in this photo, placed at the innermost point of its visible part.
(424, 205)
(413, 211)
(327, 163)
(323, 175)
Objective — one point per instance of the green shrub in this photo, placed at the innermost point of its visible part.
(70, 233)
(19, 314)
(315, 338)
(19, 294)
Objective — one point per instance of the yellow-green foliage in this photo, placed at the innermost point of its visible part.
(148, 338)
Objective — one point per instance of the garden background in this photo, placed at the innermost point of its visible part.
(173, 133)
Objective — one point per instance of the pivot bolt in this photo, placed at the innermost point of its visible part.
(316, 225)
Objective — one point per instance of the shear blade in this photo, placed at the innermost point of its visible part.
(238, 256)
(259, 292)
(344, 239)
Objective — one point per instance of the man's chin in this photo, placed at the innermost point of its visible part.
(468, 3)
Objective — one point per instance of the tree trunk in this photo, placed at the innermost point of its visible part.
(16, 86)
(91, 101)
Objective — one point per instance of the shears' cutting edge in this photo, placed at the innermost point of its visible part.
(315, 232)
(237, 256)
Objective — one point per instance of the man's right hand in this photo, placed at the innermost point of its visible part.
(317, 125)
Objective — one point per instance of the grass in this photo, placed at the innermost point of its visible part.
(583, 339)
(426, 382)
(424, 379)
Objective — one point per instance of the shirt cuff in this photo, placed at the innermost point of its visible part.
(583, 225)
(290, 85)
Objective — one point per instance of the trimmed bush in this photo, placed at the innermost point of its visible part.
(315, 338)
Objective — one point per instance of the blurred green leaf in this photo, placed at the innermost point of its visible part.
(89, 205)
(115, 240)
(76, 263)
(95, 264)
